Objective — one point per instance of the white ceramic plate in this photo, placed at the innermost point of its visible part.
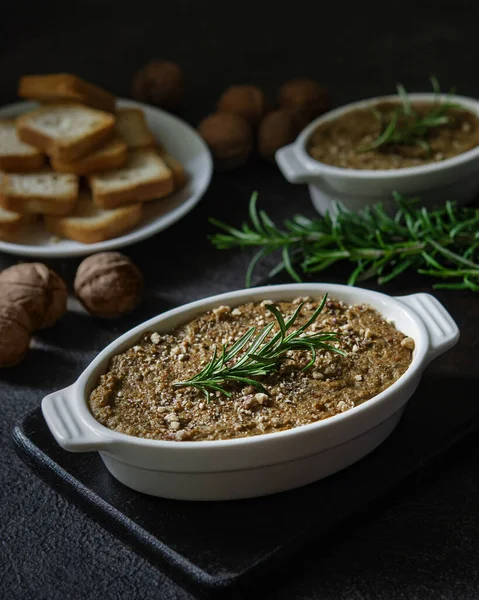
(180, 140)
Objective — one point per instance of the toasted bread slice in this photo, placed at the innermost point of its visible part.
(176, 168)
(132, 128)
(65, 131)
(11, 222)
(64, 87)
(144, 177)
(90, 224)
(15, 155)
(44, 192)
(112, 155)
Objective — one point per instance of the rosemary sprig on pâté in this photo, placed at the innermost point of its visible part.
(263, 353)
(442, 243)
(405, 125)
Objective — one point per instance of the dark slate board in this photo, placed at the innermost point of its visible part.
(220, 548)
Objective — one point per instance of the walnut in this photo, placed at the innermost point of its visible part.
(229, 138)
(160, 82)
(305, 96)
(38, 289)
(108, 285)
(277, 129)
(15, 327)
(247, 101)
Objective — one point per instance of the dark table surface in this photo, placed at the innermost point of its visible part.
(420, 543)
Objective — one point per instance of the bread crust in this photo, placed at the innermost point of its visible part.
(65, 86)
(144, 132)
(179, 174)
(125, 218)
(140, 192)
(96, 161)
(18, 163)
(31, 160)
(14, 224)
(65, 151)
(26, 204)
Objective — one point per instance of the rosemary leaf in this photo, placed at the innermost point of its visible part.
(375, 244)
(261, 357)
(406, 125)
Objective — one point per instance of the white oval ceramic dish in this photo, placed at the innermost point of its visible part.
(455, 178)
(180, 140)
(263, 464)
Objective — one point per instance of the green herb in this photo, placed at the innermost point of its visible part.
(442, 243)
(262, 356)
(405, 125)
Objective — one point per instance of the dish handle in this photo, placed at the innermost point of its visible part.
(441, 328)
(67, 426)
(291, 166)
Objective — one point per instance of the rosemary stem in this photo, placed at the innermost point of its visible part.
(379, 246)
(262, 354)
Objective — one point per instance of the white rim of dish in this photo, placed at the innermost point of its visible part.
(416, 366)
(138, 234)
(317, 167)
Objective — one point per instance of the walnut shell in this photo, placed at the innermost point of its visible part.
(229, 138)
(247, 101)
(108, 285)
(278, 128)
(15, 327)
(160, 82)
(306, 96)
(38, 289)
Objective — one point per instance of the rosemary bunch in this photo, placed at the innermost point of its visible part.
(262, 356)
(442, 243)
(405, 125)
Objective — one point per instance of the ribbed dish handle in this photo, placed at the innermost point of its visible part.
(441, 327)
(291, 166)
(66, 425)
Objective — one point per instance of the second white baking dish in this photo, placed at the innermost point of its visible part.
(455, 178)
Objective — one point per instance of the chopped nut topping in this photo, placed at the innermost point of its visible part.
(135, 396)
(336, 141)
(155, 338)
(408, 343)
(221, 311)
(261, 397)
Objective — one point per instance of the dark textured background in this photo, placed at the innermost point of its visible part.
(422, 543)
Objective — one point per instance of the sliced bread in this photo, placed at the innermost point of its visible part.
(112, 155)
(176, 168)
(65, 131)
(15, 155)
(132, 128)
(90, 224)
(144, 177)
(64, 86)
(11, 222)
(44, 192)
